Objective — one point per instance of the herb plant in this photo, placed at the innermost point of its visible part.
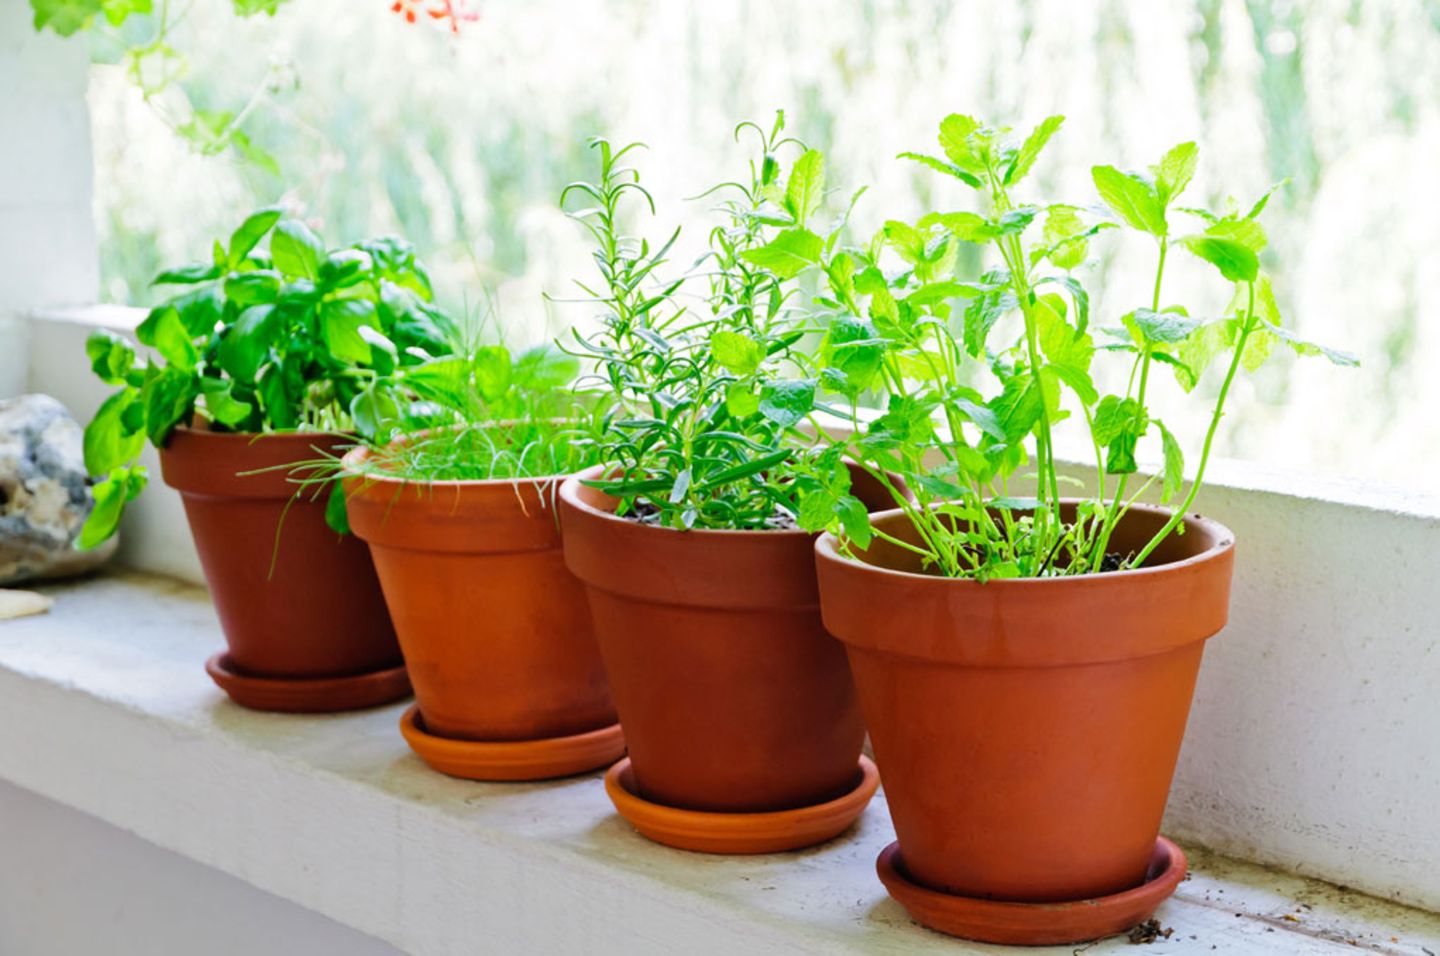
(295, 338)
(930, 342)
(488, 414)
(705, 385)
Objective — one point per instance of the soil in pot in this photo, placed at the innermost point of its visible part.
(495, 629)
(1027, 730)
(733, 699)
(301, 608)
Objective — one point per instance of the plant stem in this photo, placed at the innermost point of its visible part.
(1179, 514)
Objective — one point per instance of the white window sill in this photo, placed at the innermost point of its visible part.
(109, 711)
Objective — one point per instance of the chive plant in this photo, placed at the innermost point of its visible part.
(966, 410)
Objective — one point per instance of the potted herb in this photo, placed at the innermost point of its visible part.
(265, 360)
(459, 513)
(740, 714)
(1025, 660)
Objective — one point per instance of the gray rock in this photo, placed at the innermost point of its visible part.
(44, 492)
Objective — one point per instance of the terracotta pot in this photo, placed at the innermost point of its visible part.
(1027, 730)
(297, 602)
(495, 630)
(732, 697)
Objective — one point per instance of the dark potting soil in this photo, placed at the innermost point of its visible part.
(1148, 932)
(1111, 562)
(646, 513)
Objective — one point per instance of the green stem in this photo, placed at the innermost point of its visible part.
(1179, 514)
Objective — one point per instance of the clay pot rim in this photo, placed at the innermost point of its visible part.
(570, 494)
(202, 432)
(827, 549)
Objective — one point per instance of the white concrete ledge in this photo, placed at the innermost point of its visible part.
(108, 711)
(1313, 742)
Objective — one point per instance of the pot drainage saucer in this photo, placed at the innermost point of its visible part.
(309, 695)
(1034, 924)
(737, 833)
(512, 760)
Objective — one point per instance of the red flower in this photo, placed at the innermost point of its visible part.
(406, 8)
(454, 11)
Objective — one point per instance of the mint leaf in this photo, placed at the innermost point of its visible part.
(737, 353)
(1174, 476)
(1132, 197)
(65, 17)
(1030, 149)
(788, 254)
(787, 401)
(1174, 172)
(1159, 328)
(1235, 260)
(806, 186)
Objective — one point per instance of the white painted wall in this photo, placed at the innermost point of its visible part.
(71, 885)
(48, 254)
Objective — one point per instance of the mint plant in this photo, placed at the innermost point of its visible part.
(294, 338)
(706, 388)
(902, 323)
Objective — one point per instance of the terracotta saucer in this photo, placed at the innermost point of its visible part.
(320, 695)
(738, 833)
(512, 759)
(1034, 924)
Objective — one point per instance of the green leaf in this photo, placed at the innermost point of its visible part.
(295, 250)
(335, 514)
(111, 357)
(1059, 341)
(806, 187)
(737, 353)
(1030, 149)
(1062, 225)
(65, 17)
(244, 289)
(1305, 348)
(855, 520)
(187, 275)
(245, 344)
(1174, 171)
(340, 322)
(492, 371)
(1197, 351)
(1159, 328)
(963, 141)
(249, 8)
(1115, 417)
(104, 516)
(221, 405)
(1018, 407)
(244, 239)
(940, 166)
(854, 348)
(1247, 232)
(740, 401)
(108, 443)
(1132, 197)
(787, 401)
(543, 368)
(169, 397)
(276, 399)
(163, 331)
(1235, 260)
(788, 254)
(374, 411)
(1174, 464)
(983, 312)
